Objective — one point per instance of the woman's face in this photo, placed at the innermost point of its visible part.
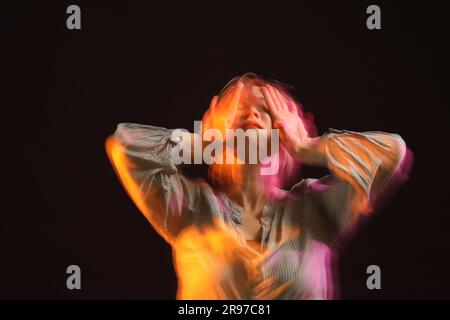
(252, 111)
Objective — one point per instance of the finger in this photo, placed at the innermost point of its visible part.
(274, 97)
(269, 101)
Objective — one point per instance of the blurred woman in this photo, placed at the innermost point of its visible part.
(245, 235)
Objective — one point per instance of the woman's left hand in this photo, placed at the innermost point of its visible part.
(293, 134)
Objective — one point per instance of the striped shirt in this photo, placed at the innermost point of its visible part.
(300, 228)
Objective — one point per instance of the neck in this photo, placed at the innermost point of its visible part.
(252, 193)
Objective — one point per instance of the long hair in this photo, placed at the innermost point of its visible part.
(222, 174)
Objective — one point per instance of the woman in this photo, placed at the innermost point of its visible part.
(242, 236)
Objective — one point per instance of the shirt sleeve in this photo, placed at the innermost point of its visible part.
(141, 157)
(362, 166)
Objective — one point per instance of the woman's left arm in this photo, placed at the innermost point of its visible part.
(367, 161)
(362, 164)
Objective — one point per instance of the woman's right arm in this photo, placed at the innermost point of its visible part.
(141, 157)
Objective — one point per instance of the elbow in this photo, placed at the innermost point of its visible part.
(400, 146)
(400, 151)
(401, 159)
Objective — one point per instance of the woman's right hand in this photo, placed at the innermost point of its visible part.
(222, 111)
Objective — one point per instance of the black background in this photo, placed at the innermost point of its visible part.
(65, 92)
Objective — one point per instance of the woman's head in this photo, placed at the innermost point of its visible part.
(248, 111)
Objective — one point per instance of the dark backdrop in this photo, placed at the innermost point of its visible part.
(65, 92)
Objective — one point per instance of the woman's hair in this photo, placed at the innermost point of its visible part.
(222, 174)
